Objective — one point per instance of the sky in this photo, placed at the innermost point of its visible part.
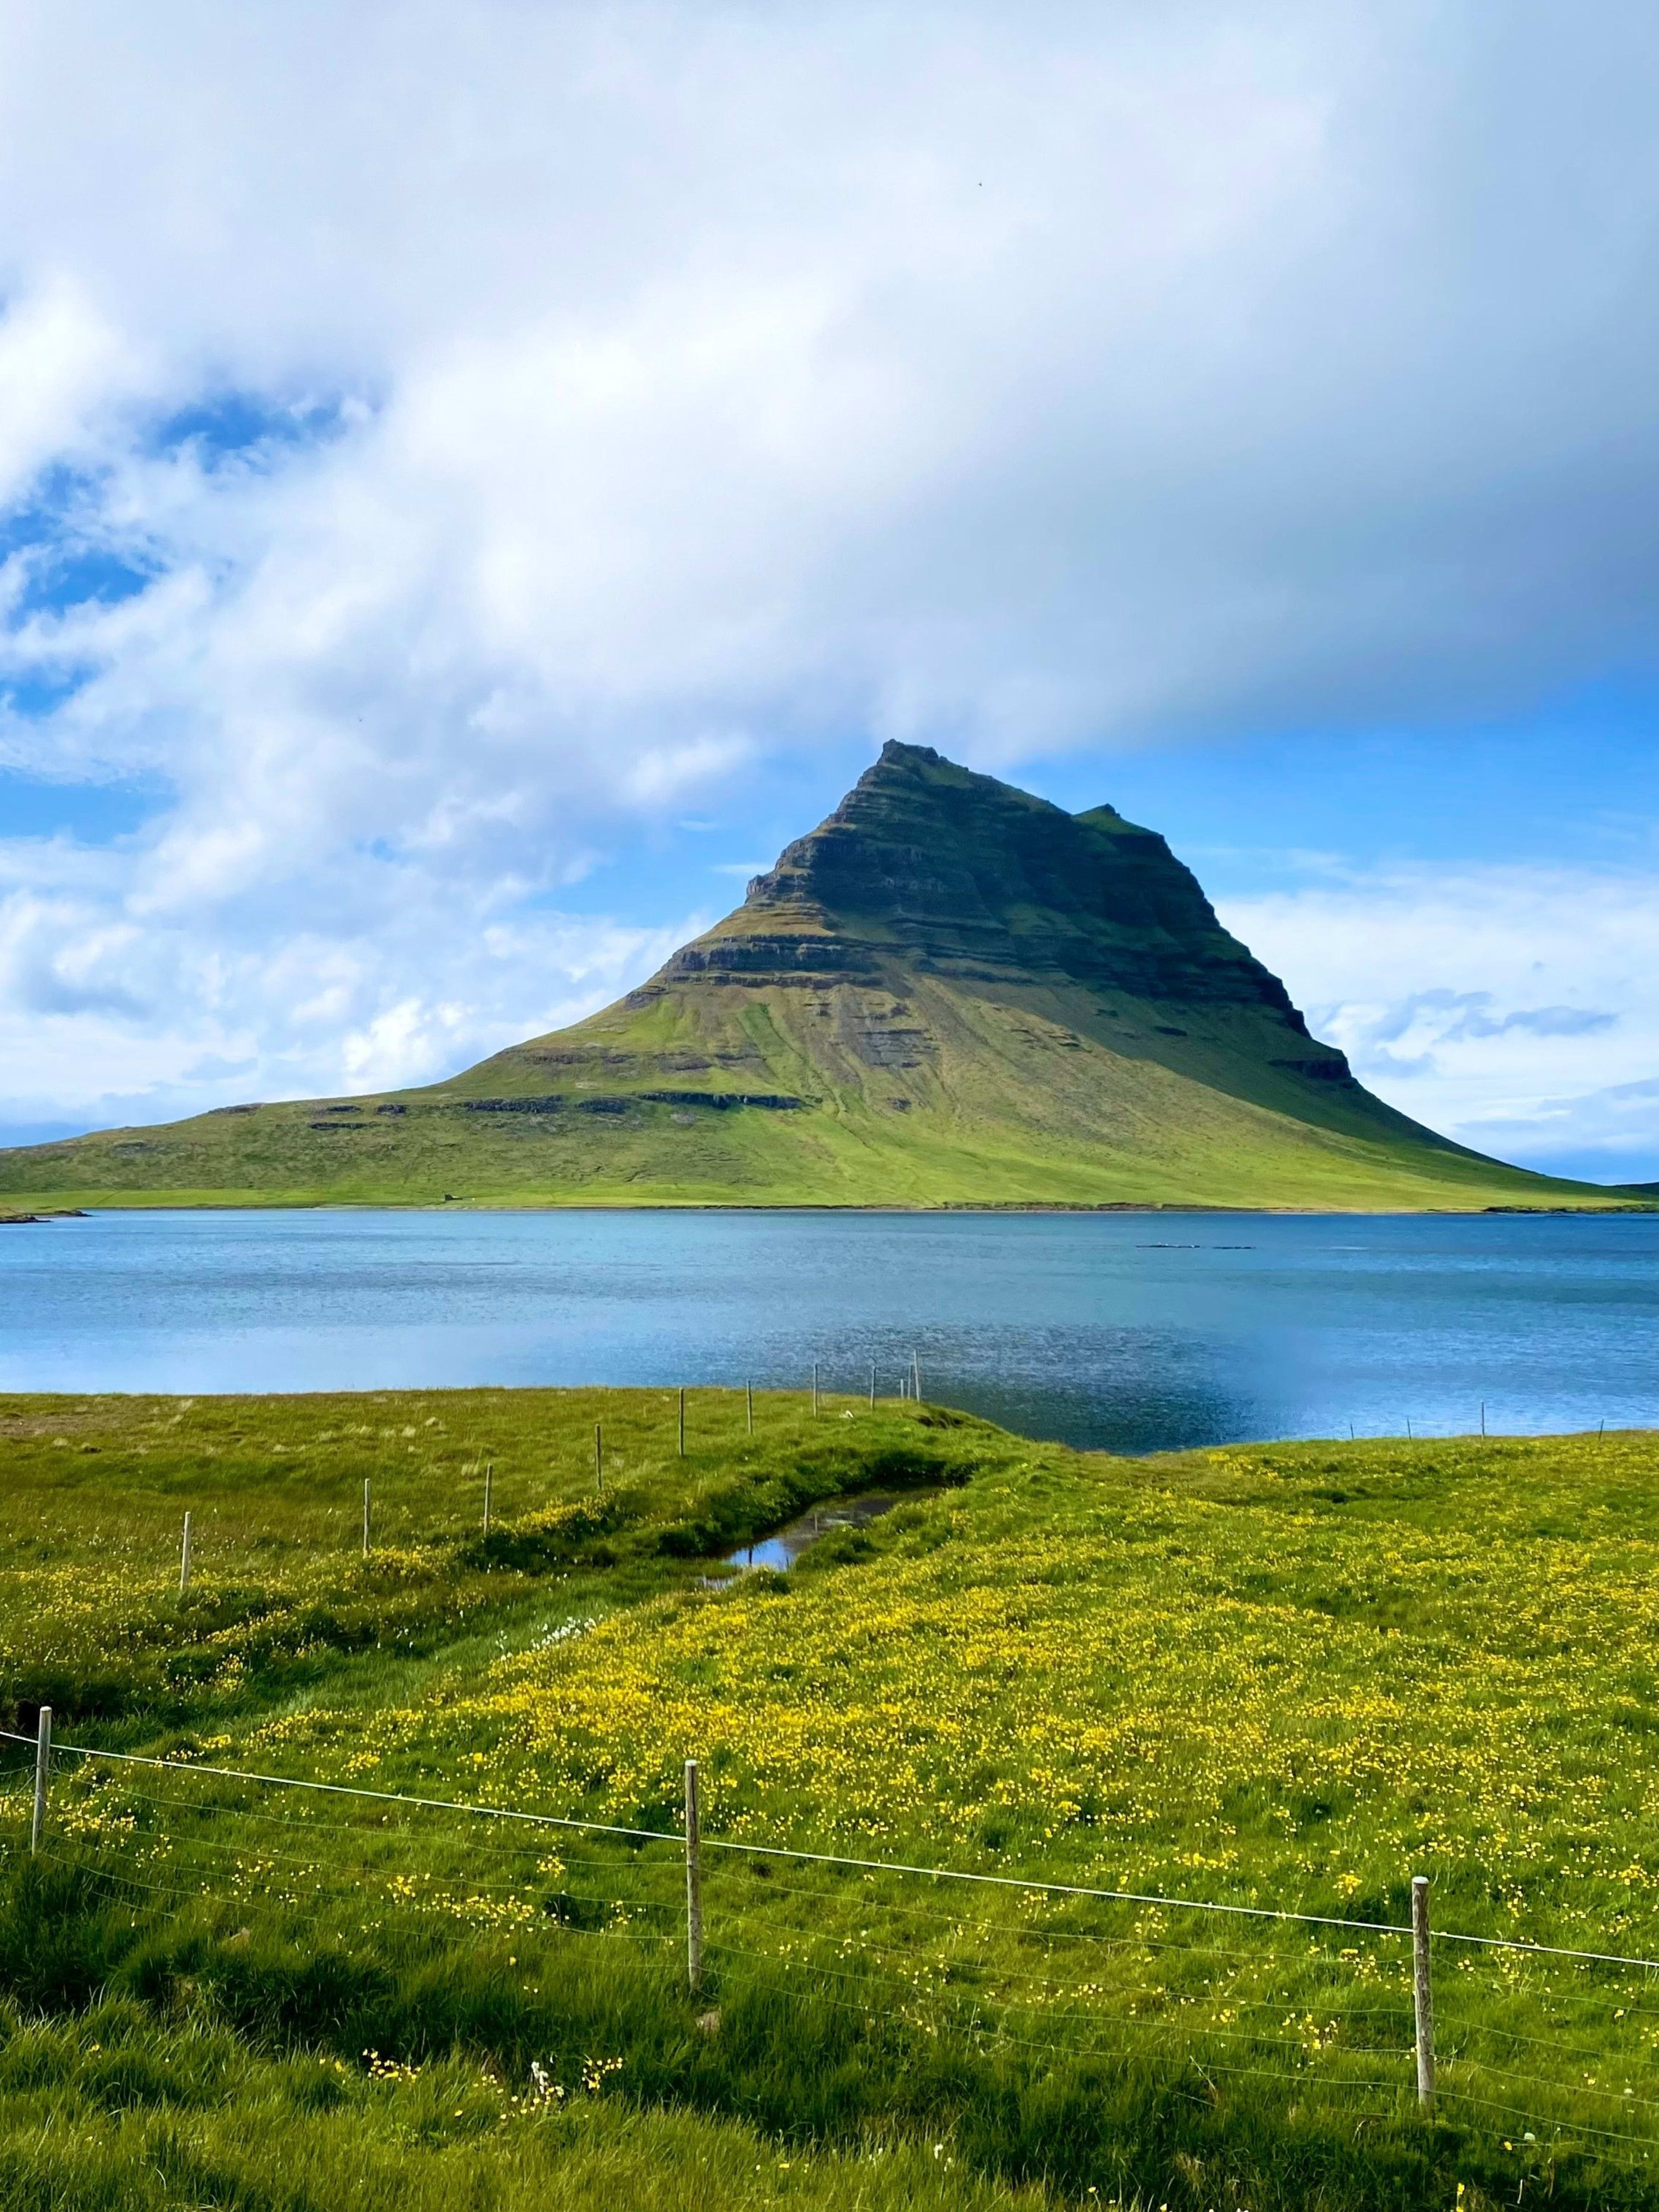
(475, 482)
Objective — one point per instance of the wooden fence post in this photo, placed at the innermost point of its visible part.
(815, 1386)
(1422, 1993)
(183, 1559)
(598, 1459)
(681, 1420)
(748, 1394)
(42, 1768)
(915, 1375)
(693, 1881)
(872, 1386)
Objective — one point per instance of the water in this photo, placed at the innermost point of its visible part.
(1132, 1331)
(783, 1550)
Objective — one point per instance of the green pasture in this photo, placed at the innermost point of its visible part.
(1282, 1678)
(92, 1620)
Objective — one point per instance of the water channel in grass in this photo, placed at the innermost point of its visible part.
(1136, 1331)
(782, 1551)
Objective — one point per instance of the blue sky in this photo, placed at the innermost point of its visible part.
(473, 483)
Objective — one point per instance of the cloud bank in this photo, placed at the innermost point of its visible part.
(438, 445)
(1530, 1024)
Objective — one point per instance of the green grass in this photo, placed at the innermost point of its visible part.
(1286, 1675)
(107, 2109)
(92, 1619)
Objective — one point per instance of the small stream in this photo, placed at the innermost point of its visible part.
(782, 1550)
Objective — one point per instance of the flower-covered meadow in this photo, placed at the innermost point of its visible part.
(1281, 1678)
(1236, 1673)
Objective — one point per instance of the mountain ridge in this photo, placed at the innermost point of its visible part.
(950, 993)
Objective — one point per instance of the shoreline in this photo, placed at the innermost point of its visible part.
(256, 1203)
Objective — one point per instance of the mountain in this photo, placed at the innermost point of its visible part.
(950, 993)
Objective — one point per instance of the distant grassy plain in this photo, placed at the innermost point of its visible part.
(1284, 1675)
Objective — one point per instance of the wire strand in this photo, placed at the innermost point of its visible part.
(1030, 1885)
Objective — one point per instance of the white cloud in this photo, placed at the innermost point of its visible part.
(571, 406)
(105, 1021)
(1529, 1022)
(58, 361)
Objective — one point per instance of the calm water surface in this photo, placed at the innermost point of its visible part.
(1126, 1330)
(783, 1550)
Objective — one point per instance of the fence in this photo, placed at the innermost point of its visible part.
(1552, 2043)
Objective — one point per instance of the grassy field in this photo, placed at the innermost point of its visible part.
(1279, 1677)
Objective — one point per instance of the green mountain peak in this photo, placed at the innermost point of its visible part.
(960, 875)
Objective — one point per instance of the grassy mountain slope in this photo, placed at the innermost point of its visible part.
(950, 993)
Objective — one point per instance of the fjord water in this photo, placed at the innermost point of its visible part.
(1134, 1331)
